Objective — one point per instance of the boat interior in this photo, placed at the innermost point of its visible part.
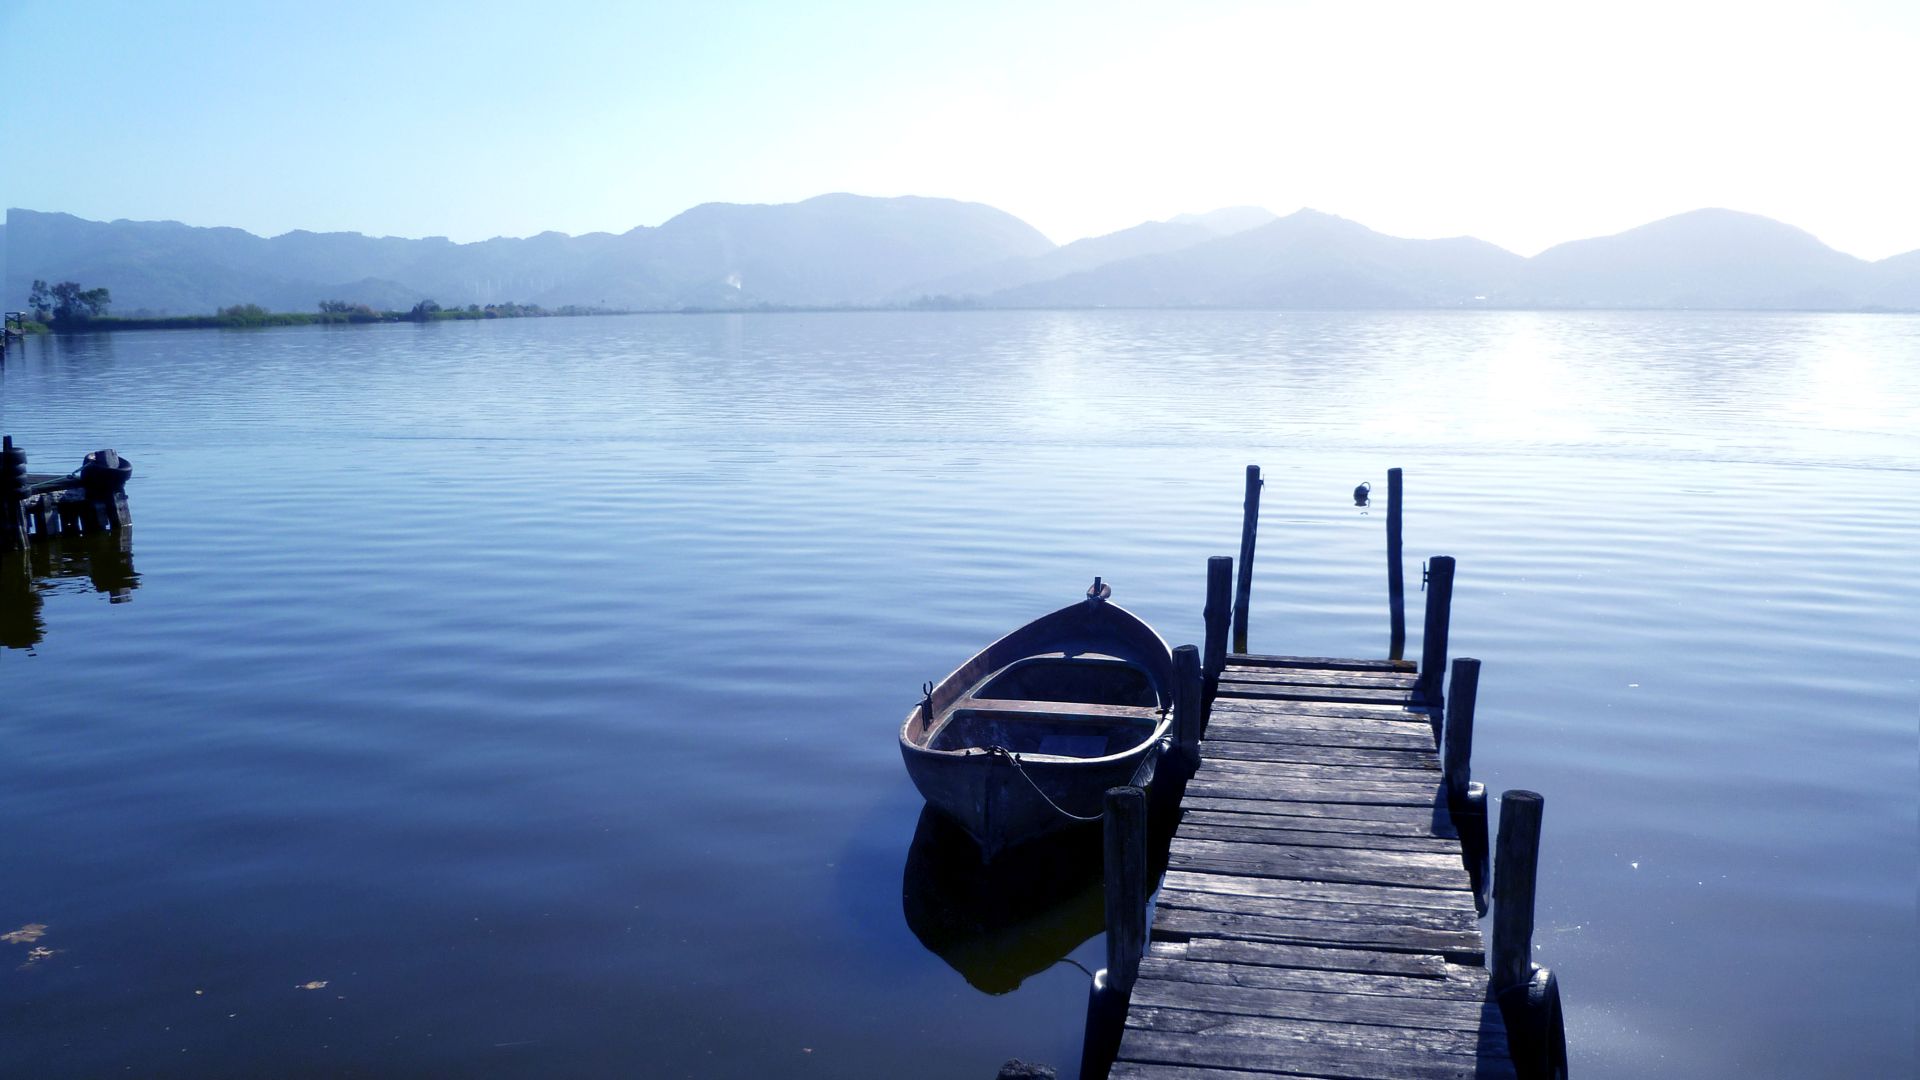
(1079, 705)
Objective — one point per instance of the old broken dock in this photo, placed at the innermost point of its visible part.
(1320, 912)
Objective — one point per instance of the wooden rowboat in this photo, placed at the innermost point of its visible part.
(1026, 737)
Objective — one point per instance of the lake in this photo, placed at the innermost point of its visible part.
(520, 697)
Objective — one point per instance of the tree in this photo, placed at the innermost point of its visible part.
(423, 311)
(335, 307)
(72, 304)
(40, 301)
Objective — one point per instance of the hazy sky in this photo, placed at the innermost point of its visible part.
(1524, 124)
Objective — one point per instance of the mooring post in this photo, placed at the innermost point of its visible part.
(13, 490)
(1218, 616)
(1189, 719)
(1528, 994)
(1466, 800)
(1456, 745)
(1516, 862)
(1249, 526)
(1433, 640)
(1396, 575)
(1126, 888)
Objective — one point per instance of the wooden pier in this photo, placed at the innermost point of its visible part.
(1320, 912)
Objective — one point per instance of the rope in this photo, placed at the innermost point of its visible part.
(1001, 751)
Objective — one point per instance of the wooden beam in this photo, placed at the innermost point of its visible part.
(1396, 574)
(1249, 526)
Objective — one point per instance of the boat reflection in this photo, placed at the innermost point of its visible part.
(998, 923)
(100, 563)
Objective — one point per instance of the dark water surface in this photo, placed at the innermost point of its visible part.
(534, 684)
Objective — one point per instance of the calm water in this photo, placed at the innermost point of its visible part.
(534, 684)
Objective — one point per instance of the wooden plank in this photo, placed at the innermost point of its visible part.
(1061, 710)
(1307, 889)
(1348, 912)
(1406, 758)
(1431, 967)
(1347, 1020)
(1210, 827)
(1408, 828)
(1298, 790)
(1192, 923)
(1141, 1070)
(1313, 980)
(1434, 820)
(1329, 663)
(1359, 775)
(1378, 680)
(1264, 709)
(1322, 732)
(1230, 687)
(1302, 1058)
(1314, 864)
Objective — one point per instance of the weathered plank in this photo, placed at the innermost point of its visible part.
(1234, 687)
(1329, 663)
(1291, 1057)
(1434, 820)
(1300, 790)
(1431, 967)
(1312, 979)
(1310, 754)
(1209, 826)
(1333, 911)
(1381, 680)
(1308, 889)
(1191, 923)
(1441, 1027)
(1321, 773)
(1268, 710)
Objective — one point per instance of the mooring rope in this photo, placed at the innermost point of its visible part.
(1001, 751)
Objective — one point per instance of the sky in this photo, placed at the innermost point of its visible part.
(1525, 124)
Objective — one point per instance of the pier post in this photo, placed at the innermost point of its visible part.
(13, 483)
(1516, 861)
(1126, 887)
(1466, 800)
(1189, 721)
(1249, 526)
(1433, 639)
(1218, 615)
(1456, 744)
(1396, 574)
(1528, 994)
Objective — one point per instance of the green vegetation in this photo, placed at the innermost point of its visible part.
(67, 307)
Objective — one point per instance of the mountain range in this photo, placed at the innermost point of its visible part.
(854, 251)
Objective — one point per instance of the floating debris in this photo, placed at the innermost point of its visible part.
(317, 984)
(25, 935)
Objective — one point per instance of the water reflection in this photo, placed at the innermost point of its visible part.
(997, 924)
(100, 563)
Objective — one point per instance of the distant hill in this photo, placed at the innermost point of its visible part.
(849, 250)
(1145, 239)
(833, 249)
(1702, 259)
(1306, 259)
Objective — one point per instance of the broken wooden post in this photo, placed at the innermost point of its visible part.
(1249, 526)
(1189, 721)
(13, 492)
(1218, 615)
(1126, 887)
(1433, 640)
(1396, 575)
